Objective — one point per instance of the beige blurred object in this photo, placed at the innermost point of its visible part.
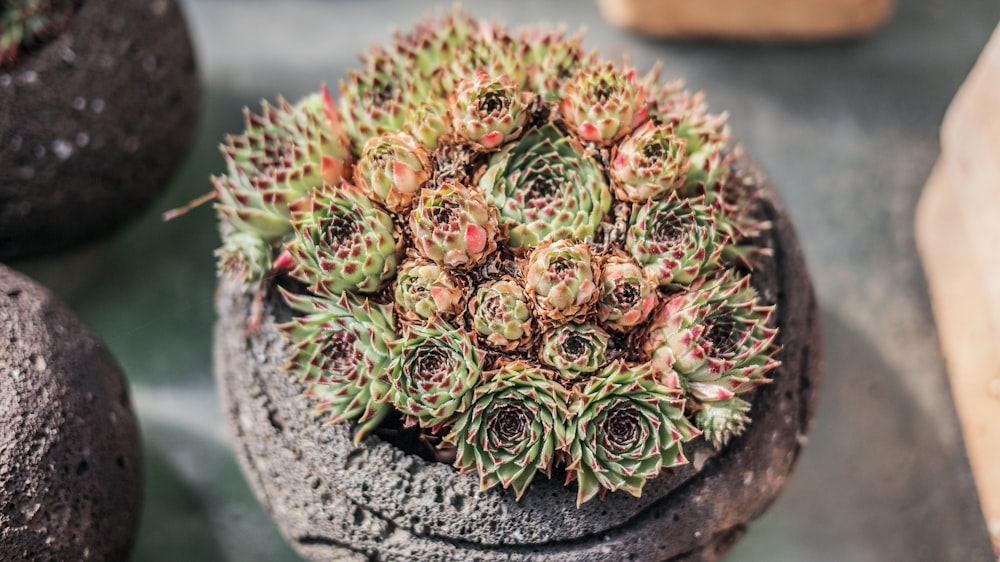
(749, 19)
(958, 234)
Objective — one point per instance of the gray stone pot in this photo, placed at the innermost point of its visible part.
(336, 501)
(70, 456)
(94, 124)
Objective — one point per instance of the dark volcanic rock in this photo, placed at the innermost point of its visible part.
(70, 465)
(94, 124)
(336, 501)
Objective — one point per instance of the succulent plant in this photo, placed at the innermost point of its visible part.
(513, 428)
(501, 315)
(551, 232)
(343, 242)
(602, 103)
(628, 427)
(454, 226)
(575, 350)
(26, 23)
(722, 419)
(488, 111)
(424, 291)
(676, 240)
(341, 352)
(650, 163)
(628, 294)
(546, 188)
(716, 338)
(391, 170)
(562, 277)
(434, 370)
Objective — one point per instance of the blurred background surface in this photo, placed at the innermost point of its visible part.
(847, 131)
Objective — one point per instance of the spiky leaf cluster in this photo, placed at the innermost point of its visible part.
(535, 258)
(27, 23)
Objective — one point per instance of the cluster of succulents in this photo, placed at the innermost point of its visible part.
(26, 23)
(537, 258)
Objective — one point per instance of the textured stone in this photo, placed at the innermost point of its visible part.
(94, 124)
(70, 465)
(374, 502)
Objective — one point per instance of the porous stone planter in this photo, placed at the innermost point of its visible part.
(93, 124)
(70, 458)
(337, 501)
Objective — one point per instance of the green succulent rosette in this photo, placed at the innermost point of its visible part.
(454, 226)
(628, 294)
(561, 277)
(373, 100)
(500, 313)
(487, 111)
(574, 350)
(339, 349)
(284, 154)
(705, 134)
(649, 164)
(433, 370)
(424, 291)
(343, 242)
(553, 58)
(628, 426)
(428, 122)
(676, 240)
(391, 170)
(546, 188)
(716, 337)
(721, 420)
(513, 428)
(602, 103)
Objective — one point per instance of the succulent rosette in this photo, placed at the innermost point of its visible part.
(433, 370)
(453, 226)
(488, 111)
(553, 58)
(721, 420)
(391, 170)
(650, 163)
(676, 240)
(500, 313)
(705, 134)
(27, 23)
(513, 428)
(546, 188)
(537, 221)
(575, 350)
(340, 351)
(424, 291)
(343, 242)
(716, 337)
(602, 103)
(428, 122)
(628, 294)
(628, 426)
(562, 277)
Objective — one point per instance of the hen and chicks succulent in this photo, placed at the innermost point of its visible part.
(538, 258)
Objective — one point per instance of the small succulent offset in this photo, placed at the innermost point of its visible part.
(25, 24)
(535, 259)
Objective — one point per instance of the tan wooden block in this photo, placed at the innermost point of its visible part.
(970, 145)
(969, 336)
(749, 19)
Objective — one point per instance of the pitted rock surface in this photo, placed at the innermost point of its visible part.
(70, 461)
(335, 501)
(94, 124)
